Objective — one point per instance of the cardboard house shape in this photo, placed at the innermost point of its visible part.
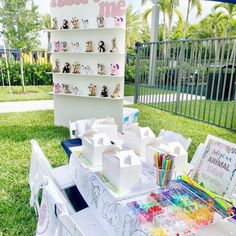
(107, 126)
(123, 169)
(137, 138)
(94, 144)
(173, 148)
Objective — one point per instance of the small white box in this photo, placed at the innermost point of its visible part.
(137, 138)
(173, 148)
(94, 144)
(123, 169)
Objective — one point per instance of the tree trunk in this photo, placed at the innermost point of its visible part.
(22, 73)
(186, 22)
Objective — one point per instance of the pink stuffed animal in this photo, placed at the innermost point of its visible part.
(115, 69)
(119, 21)
(56, 88)
(57, 46)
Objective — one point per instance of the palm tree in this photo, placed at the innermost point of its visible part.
(133, 26)
(192, 4)
(46, 24)
(230, 9)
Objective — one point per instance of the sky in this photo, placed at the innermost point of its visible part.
(44, 6)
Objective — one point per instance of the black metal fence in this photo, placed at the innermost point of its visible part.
(193, 78)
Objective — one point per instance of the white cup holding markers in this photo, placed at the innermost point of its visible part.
(164, 169)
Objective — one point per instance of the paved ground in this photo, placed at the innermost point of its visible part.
(6, 107)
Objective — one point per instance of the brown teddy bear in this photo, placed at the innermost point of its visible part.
(64, 46)
(92, 90)
(57, 67)
(75, 23)
(89, 46)
(66, 88)
(76, 68)
(100, 21)
(101, 69)
(116, 92)
(54, 24)
(114, 48)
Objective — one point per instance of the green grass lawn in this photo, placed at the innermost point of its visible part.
(31, 93)
(16, 130)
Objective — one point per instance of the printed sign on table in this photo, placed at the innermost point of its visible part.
(216, 170)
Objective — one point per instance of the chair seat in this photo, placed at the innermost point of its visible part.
(63, 177)
(70, 143)
(88, 224)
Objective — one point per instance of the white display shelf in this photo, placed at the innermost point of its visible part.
(85, 96)
(84, 75)
(91, 53)
(88, 29)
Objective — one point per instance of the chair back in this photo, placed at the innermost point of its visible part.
(170, 136)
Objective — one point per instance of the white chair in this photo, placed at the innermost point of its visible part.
(39, 168)
(75, 224)
(170, 136)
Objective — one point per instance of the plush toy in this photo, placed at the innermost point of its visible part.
(64, 46)
(101, 69)
(89, 46)
(57, 67)
(101, 46)
(75, 46)
(104, 93)
(65, 24)
(56, 88)
(119, 21)
(76, 68)
(75, 23)
(85, 23)
(57, 46)
(114, 48)
(75, 90)
(92, 90)
(100, 21)
(66, 88)
(115, 68)
(87, 69)
(66, 68)
(116, 92)
(54, 25)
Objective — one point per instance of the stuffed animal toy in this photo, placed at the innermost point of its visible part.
(114, 48)
(76, 68)
(64, 46)
(101, 69)
(116, 92)
(101, 46)
(66, 88)
(57, 46)
(115, 68)
(119, 21)
(89, 46)
(65, 24)
(92, 90)
(56, 88)
(75, 90)
(75, 23)
(100, 21)
(75, 46)
(66, 68)
(57, 67)
(87, 69)
(54, 25)
(85, 23)
(104, 93)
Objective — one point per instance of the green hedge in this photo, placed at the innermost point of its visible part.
(34, 74)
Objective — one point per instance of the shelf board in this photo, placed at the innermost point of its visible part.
(88, 29)
(90, 53)
(83, 75)
(85, 96)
